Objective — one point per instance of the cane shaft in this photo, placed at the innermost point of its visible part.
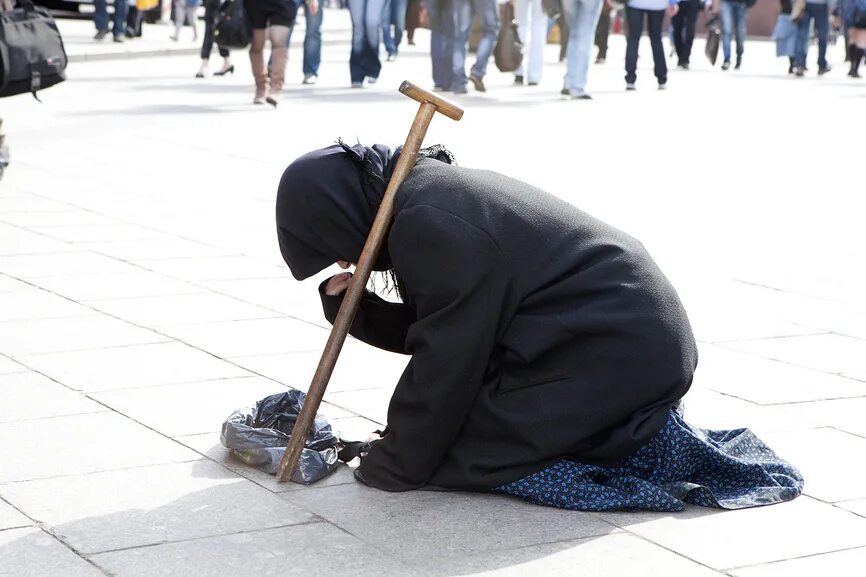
(355, 293)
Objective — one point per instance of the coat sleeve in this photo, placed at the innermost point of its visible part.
(459, 281)
(378, 322)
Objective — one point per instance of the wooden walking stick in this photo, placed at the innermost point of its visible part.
(430, 104)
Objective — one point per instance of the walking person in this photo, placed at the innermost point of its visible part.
(185, 11)
(211, 9)
(413, 20)
(441, 43)
(532, 25)
(602, 32)
(312, 43)
(364, 63)
(683, 25)
(393, 15)
(785, 35)
(854, 17)
(488, 14)
(100, 19)
(270, 20)
(654, 13)
(582, 18)
(548, 353)
(733, 23)
(819, 11)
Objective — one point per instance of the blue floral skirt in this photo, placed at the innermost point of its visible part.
(681, 464)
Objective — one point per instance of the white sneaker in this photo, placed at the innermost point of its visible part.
(310, 79)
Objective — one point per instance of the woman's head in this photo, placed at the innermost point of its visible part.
(326, 203)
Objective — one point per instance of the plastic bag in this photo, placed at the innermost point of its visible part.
(259, 436)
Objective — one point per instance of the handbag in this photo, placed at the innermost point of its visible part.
(714, 37)
(232, 28)
(143, 5)
(32, 56)
(508, 53)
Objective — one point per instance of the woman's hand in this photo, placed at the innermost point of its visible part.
(338, 283)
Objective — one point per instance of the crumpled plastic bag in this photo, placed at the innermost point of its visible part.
(258, 436)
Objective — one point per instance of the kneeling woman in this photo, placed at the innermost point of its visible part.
(549, 352)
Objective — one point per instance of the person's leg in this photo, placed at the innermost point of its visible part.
(635, 18)
(678, 24)
(373, 37)
(413, 15)
(822, 27)
(537, 40)
(257, 63)
(691, 22)
(312, 41)
(521, 15)
(727, 14)
(279, 59)
(356, 68)
(387, 19)
(211, 7)
(582, 36)
(602, 32)
(191, 18)
(119, 27)
(654, 28)
(179, 15)
(740, 11)
(462, 22)
(802, 46)
(488, 13)
(398, 19)
(100, 17)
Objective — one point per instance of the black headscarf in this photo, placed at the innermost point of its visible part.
(327, 201)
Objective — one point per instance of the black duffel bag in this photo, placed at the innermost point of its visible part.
(32, 56)
(232, 29)
(508, 53)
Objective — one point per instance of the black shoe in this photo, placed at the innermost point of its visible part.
(726, 64)
(629, 86)
(854, 74)
(799, 72)
(118, 38)
(683, 66)
(822, 70)
(518, 80)
(478, 83)
(101, 34)
(229, 70)
(199, 75)
(739, 63)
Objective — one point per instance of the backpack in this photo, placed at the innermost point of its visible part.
(32, 56)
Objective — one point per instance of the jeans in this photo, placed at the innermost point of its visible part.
(733, 15)
(312, 39)
(100, 16)
(394, 14)
(488, 12)
(211, 7)
(683, 25)
(654, 19)
(532, 29)
(821, 14)
(366, 32)
(582, 17)
(441, 42)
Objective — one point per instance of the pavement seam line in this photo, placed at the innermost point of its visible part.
(796, 558)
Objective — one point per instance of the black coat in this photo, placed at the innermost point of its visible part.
(537, 332)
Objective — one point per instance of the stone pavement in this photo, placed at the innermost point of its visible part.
(142, 299)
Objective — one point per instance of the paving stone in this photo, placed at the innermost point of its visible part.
(32, 396)
(131, 284)
(91, 233)
(286, 295)
(136, 366)
(8, 366)
(857, 506)
(844, 414)
(830, 353)
(11, 518)
(149, 505)
(842, 564)
(614, 555)
(182, 309)
(316, 549)
(831, 461)
(210, 446)
(31, 552)
(63, 218)
(711, 410)
(359, 367)
(77, 444)
(210, 268)
(96, 331)
(157, 248)
(17, 241)
(719, 325)
(11, 285)
(727, 539)
(765, 382)
(188, 408)
(421, 525)
(252, 337)
(38, 304)
(370, 403)
(30, 267)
